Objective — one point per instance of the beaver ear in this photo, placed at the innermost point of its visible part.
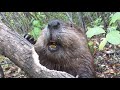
(70, 24)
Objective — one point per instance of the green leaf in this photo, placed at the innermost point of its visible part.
(91, 46)
(102, 44)
(35, 32)
(90, 43)
(94, 31)
(115, 17)
(113, 37)
(36, 23)
(98, 21)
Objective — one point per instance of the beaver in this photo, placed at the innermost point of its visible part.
(63, 47)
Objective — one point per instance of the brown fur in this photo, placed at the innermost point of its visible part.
(73, 55)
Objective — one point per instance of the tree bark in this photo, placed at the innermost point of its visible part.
(22, 53)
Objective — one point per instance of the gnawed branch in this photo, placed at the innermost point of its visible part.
(22, 53)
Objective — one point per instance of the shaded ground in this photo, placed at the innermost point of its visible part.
(11, 70)
(108, 66)
(107, 61)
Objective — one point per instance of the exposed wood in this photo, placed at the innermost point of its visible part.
(22, 53)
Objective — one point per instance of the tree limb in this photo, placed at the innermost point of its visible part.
(22, 53)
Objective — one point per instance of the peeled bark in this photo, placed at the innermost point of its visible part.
(22, 53)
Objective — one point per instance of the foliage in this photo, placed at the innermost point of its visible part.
(115, 17)
(97, 22)
(34, 22)
(36, 29)
(94, 31)
(112, 35)
(35, 32)
(91, 46)
(102, 44)
(56, 15)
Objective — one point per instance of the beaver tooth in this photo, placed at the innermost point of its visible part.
(52, 46)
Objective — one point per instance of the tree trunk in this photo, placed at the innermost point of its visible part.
(22, 53)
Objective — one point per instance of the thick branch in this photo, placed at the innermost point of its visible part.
(22, 53)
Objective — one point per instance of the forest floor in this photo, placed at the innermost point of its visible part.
(107, 61)
(107, 65)
(10, 69)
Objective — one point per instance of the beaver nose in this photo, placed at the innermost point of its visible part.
(55, 24)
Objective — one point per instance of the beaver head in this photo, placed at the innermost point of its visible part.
(63, 46)
(61, 36)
